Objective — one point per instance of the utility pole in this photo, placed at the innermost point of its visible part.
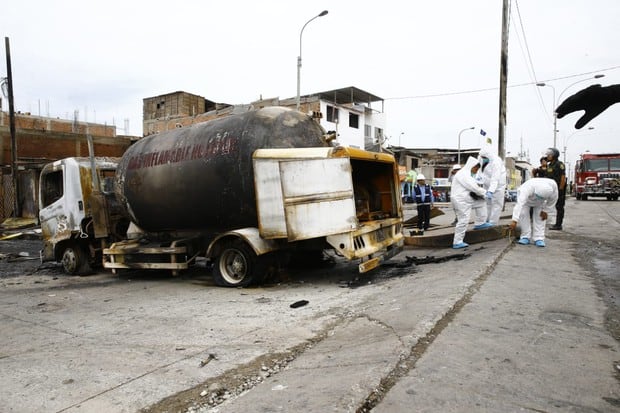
(503, 78)
(16, 211)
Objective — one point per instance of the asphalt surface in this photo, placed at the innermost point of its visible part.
(496, 327)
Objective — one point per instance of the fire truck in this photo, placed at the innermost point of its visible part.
(597, 175)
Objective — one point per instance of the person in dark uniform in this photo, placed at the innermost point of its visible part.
(424, 200)
(541, 171)
(557, 171)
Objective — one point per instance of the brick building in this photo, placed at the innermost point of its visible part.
(40, 140)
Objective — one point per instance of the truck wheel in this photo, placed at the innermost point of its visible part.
(236, 265)
(75, 260)
(584, 197)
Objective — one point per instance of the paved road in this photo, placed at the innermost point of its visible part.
(505, 328)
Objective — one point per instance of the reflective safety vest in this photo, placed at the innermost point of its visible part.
(428, 194)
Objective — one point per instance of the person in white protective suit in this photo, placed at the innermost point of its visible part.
(540, 195)
(494, 181)
(479, 207)
(464, 185)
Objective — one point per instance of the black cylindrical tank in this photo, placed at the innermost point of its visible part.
(201, 177)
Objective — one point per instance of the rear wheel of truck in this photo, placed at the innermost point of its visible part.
(236, 265)
(75, 260)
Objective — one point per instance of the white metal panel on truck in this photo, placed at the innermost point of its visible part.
(269, 203)
(318, 197)
(304, 198)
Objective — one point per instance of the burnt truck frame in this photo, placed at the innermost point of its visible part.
(307, 200)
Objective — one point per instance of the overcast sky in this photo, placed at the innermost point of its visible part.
(436, 63)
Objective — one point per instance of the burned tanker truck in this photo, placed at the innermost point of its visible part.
(247, 191)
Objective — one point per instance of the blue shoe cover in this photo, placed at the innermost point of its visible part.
(524, 241)
(483, 226)
(540, 243)
(460, 245)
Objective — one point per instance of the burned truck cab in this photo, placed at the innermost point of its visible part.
(74, 214)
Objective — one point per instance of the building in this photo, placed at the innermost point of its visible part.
(40, 140)
(348, 111)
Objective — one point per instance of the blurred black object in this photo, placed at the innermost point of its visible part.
(593, 99)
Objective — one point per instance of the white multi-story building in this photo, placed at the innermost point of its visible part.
(350, 112)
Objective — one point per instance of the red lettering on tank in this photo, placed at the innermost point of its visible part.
(221, 144)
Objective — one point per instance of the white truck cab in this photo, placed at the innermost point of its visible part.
(66, 209)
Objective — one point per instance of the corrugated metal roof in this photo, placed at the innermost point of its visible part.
(349, 94)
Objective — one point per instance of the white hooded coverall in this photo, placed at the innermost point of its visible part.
(462, 184)
(540, 194)
(494, 181)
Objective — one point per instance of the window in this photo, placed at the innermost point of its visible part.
(378, 134)
(354, 120)
(332, 114)
(597, 165)
(367, 131)
(52, 188)
(107, 181)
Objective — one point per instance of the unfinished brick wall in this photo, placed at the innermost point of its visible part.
(42, 123)
(42, 146)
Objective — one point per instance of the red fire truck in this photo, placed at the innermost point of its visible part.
(597, 175)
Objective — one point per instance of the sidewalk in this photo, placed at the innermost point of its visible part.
(441, 232)
(514, 328)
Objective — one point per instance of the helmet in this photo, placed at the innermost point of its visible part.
(553, 152)
(456, 167)
(421, 177)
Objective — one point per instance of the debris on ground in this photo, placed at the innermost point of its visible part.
(431, 259)
(208, 359)
(18, 223)
(299, 303)
(17, 256)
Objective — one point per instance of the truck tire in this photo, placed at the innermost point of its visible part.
(75, 260)
(236, 265)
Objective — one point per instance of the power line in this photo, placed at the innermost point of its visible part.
(489, 89)
(529, 62)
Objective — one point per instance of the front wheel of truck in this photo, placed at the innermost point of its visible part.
(75, 260)
(236, 265)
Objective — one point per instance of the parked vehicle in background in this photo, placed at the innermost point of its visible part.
(510, 195)
(597, 175)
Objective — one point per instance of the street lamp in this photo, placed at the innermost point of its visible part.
(568, 138)
(573, 84)
(556, 102)
(321, 14)
(555, 116)
(459, 150)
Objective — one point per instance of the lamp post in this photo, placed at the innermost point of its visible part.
(556, 102)
(459, 149)
(321, 14)
(568, 138)
(555, 116)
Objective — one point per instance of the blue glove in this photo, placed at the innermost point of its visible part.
(489, 195)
